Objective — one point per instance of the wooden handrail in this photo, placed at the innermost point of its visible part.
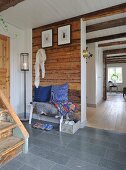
(13, 115)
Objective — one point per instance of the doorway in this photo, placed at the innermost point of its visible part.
(114, 75)
(5, 65)
(110, 114)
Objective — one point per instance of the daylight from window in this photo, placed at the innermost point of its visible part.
(115, 74)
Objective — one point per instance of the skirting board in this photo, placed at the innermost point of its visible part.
(92, 105)
(95, 105)
(83, 124)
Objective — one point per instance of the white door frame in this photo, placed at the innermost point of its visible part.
(83, 74)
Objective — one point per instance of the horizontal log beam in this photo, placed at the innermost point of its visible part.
(115, 61)
(114, 51)
(112, 43)
(108, 37)
(106, 25)
(119, 56)
(8, 3)
(117, 9)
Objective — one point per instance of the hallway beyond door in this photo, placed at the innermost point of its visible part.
(110, 115)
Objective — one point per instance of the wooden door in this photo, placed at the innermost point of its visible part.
(5, 65)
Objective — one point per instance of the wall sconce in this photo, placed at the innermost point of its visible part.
(86, 54)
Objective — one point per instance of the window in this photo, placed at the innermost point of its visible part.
(115, 74)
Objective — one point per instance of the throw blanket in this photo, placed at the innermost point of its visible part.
(66, 108)
(53, 109)
(45, 108)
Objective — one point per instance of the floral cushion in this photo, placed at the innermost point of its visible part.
(59, 93)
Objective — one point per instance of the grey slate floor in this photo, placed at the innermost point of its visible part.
(88, 149)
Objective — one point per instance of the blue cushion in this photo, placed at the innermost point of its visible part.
(42, 94)
(59, 93)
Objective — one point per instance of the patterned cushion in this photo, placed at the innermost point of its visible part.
(42, 94)
(59, 93)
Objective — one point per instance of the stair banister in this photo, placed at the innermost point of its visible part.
(16, 119)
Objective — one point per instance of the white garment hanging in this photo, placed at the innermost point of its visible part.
(40, 63)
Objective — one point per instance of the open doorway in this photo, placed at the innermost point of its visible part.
(114, 74)
(109, 114)
(116, 80)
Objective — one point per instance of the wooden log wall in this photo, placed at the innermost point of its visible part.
(63, 62)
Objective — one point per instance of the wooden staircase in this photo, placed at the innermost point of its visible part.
(13, 135)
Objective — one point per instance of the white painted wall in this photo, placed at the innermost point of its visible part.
(28, 48)
(123, 65)
(91, 78)
(83, 74)
(94, 75)
(21, 43)
(99, 74)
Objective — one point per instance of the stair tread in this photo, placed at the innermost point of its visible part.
(3, 111)
(9, 144)
(4, 126)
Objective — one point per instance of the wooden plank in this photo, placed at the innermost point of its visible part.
(105, 25)
(61, 76)
(10, 155)
(9, 145)
(5, 126)
(116, 59)
(114, 51)
(115, 62)
(8, 3)
(63, 62)
(108, 37)
(12, 113)
(117, 9)
(119, 56)
(112, 43)
(6, 134)
(5, 64)
(3, 111)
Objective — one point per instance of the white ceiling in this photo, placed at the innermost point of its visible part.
(34, 13)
